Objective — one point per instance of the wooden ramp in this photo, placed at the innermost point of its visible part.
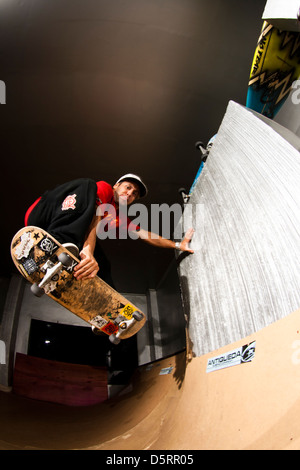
(249, 406)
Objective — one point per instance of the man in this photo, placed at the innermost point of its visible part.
(69, 213)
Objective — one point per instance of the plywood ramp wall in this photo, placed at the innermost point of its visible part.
(249, 406)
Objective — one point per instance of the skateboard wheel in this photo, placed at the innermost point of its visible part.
(36, 290)
(97, 332)
(65, 259)
(113, 339)
(138, 316)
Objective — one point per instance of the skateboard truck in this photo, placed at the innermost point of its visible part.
(185, 196)
(205, 151)
(52, 271)
(124, 325)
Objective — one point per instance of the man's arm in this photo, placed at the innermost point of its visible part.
(156, 240)
(88, 267)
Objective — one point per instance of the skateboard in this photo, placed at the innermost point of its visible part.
(49, 267)
(275, 66)
(204, 155)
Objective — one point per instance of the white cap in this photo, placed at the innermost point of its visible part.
(137, 180)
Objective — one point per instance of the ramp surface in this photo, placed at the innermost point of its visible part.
(250, 406)
(244, 274)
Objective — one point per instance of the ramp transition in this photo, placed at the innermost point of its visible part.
(255, 405)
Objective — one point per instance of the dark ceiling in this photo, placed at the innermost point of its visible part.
(99, 88)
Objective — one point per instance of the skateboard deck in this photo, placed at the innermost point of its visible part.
(49, 267)
(275, 66)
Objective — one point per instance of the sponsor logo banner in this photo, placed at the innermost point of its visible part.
(232, 358)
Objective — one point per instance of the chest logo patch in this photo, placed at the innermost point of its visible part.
(69, 203)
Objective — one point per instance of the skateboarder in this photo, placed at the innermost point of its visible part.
(68, 212)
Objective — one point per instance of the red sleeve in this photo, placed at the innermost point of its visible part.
(105, 194)
(132, 227)
(28, 212)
